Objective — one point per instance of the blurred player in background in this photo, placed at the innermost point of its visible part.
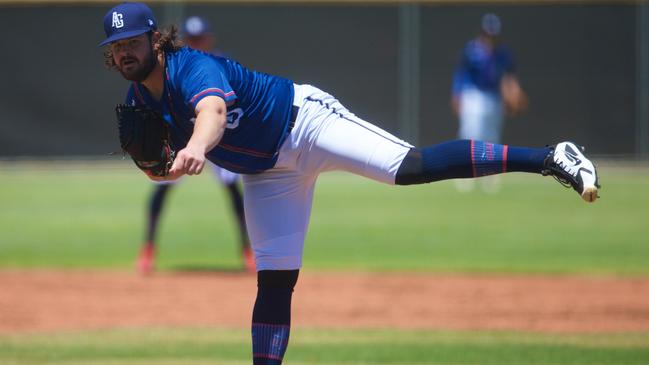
(197, 34)
(485, 90)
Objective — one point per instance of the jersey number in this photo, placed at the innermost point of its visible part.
(233, 118)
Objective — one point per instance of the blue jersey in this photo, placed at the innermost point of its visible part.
(482, 67)
(259, 107)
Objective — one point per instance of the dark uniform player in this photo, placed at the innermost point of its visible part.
(197, 34)
(282, 136)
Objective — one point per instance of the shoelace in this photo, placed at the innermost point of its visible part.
(563, 181)
(560, 179)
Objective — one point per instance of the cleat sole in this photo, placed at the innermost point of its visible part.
(589, 194)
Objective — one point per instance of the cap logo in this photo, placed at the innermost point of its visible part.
(118, 20)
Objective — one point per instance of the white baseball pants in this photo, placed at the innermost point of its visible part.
(326, 137)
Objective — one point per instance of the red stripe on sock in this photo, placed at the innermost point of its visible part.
(505, 147)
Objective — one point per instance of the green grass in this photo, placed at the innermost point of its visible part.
(79, 216)
(196, 346)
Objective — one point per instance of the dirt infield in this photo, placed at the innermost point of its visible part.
(73, 300)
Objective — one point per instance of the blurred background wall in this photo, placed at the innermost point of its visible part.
(583, 66)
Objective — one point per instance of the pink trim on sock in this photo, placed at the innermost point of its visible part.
(267, 356)
(505, 147)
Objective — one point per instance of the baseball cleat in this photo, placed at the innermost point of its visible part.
(249, 260)
(146, 259)
(568, 165)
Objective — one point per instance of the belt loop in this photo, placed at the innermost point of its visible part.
(294, 112)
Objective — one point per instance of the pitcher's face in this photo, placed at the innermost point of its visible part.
(134, 57)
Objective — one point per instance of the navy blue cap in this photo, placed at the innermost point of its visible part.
(127, 20)
(195, 26)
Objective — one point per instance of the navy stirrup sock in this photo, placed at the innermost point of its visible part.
(155, 208)
(527, 159)
(465, 159)
(271, 317)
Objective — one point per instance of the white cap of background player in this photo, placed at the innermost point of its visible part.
(195, 26)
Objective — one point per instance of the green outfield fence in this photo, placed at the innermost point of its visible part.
(584, 64)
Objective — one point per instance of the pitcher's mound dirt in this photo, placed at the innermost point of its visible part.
(72, 300)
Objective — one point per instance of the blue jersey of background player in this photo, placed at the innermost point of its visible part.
(483, 66)
(259, 107)
(486, 78)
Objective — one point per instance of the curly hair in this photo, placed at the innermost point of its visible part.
(169, 42)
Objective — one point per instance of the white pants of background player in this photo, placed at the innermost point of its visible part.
(326, 137)
(481, 118)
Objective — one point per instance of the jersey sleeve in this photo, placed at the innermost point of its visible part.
(459, 76)
(202, 76)
(458, 82)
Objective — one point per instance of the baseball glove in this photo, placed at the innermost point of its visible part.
(144, 135)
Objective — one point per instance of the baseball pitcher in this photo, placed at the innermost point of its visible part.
(282, 136)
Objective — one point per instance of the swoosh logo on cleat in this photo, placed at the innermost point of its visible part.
(572, 155)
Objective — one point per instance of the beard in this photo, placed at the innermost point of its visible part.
(138, 71)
